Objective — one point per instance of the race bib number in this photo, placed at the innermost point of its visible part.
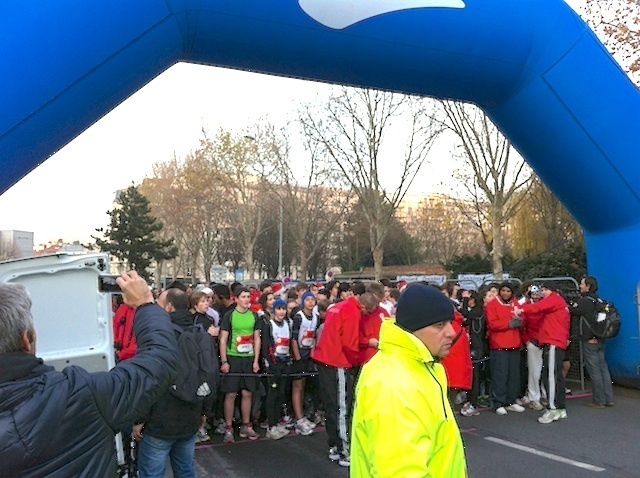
(244, 344)
(282, 346)
(307, 338)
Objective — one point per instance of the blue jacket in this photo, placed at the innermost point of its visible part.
(63, 423)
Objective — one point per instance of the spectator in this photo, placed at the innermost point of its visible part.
(67, 419)
(169, 429)
(594, 348)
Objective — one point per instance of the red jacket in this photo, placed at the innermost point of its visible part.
(123, 338)
(531, 324)
(554, 329)
(370, 329)
(498, 315)
(338, 344)
(457, 364)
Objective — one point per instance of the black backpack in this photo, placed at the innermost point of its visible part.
(199, 367)
(605, 323)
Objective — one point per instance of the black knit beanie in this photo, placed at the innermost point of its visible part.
(421, 305)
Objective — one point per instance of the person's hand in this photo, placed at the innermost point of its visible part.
(256, 366)
(518, 311)
(213, 331)
(224, 368)
(373, 343)
(136, 432)
(135, 290)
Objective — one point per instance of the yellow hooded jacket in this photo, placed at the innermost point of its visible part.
(403, 425)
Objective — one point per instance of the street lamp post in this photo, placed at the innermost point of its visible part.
(280, 239)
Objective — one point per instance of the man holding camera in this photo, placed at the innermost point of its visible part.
(63, 423)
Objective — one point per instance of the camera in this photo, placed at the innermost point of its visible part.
(107, 283)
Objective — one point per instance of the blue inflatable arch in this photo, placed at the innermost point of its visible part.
(532, 65)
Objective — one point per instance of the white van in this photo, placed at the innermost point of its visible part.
(72, 316)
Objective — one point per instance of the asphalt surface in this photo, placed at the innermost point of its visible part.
(590, 442)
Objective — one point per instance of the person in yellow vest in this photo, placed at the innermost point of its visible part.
(403, 424)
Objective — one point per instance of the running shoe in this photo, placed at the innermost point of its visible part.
(515, 408)
(501, 411)
(247, 431)
(303, 428)
(276, 433)
(345, 460)
(552, 416)
(468, 410)
(202, 436)
(311, 424)
(334, 454)
(228, 436)
(461, 397)
(221, 428)
(535, 405)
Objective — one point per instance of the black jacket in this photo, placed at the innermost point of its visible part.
(171, 418)
(63, 423)
(584, 312)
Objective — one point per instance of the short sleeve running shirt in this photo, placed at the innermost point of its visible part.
(240, 326)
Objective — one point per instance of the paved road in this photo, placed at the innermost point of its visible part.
(599, 443)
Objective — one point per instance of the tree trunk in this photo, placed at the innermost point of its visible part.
(377, 248)
(248, 259)
(497, 252)
(304, 262)
(158, 275)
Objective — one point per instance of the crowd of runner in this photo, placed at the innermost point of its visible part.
(289, 356)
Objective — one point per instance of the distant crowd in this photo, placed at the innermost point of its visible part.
(289, 357)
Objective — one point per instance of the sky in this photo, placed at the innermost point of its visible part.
(68, 196)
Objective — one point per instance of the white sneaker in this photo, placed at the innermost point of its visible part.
(345, 460)
(303, 428)
(276, 433)
(460, 398)
(202, 436)
(523, 401)
(468, 410)
(221, 428)
(516, 408)
(311, 424)
(334, 454)
(535, 405)
(501, 411)
(552, 416)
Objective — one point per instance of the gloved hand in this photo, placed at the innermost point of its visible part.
(515, 323)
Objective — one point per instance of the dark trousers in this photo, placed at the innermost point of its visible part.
(594, 361)
(505, 377)
(336, 385)
(552, 377)
(276, 387)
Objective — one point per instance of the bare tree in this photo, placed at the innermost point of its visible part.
(313, 207)
(542, 223)
(492, 174)
(352, 128)
(443, 231)
(241, 162)
(617, 23)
